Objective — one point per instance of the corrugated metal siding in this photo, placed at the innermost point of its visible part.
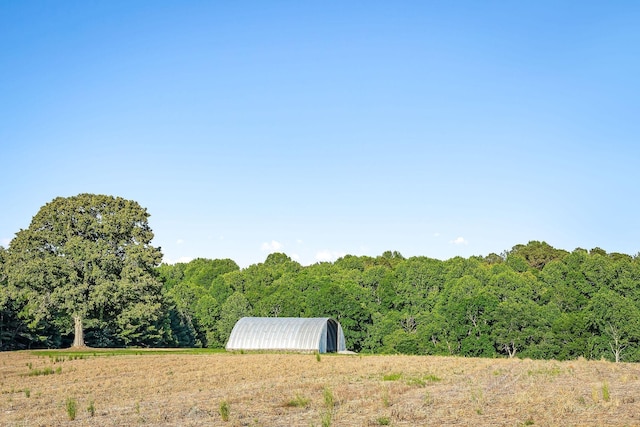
(285, 333)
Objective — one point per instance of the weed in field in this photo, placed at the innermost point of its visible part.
(91, 409)
(27, 392)
(326, 419)
(422, 381)
(72, 407)
(137, 408)
(528, 422)
(428, 399)
(44, 371)
(224, 410)
(298, 402)
(329, 401)
(432, 378)
(392, 377)
(477, 397)
(552, 371)
(386, 400)
(384, 421)
(318, 357)
(605, 392)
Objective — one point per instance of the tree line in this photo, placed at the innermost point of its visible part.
(87, 262)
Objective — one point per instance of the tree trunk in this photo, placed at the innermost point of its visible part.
(78, 339)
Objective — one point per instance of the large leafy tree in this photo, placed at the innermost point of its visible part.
(88, 260)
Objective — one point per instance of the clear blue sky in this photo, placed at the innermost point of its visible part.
(319, 129)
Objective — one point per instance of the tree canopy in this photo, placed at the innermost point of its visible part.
(532, 301)
(87, 262)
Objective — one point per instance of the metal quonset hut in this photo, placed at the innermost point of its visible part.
(321, 334)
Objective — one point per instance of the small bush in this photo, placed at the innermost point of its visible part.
(91, 409)
(384, 421)
(27, 392)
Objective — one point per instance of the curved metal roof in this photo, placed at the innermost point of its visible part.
(319, 334)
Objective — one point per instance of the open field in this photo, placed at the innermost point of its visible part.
(198, 389)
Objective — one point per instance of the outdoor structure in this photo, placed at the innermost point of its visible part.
(317, 334)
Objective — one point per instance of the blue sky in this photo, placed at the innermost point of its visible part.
(320, 129)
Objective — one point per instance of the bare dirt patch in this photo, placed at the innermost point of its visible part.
(298, 390)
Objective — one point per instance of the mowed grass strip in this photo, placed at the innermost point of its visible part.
(188, 387)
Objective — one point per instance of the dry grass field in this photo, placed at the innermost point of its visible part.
(50, 388)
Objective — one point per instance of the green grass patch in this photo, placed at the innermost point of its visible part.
(392, 377)
(44, 371)
(553, 371)
(298, 402)
(384, 421)
(420, 381)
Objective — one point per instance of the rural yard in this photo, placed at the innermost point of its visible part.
(173, 388)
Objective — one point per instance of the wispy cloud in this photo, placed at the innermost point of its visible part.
(272, 246)
(328, 256)
(459, 241)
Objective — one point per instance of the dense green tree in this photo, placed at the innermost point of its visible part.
(537, 254)
(171, 274)
(203, 272)
(87, 262)
(233, 309)
(418, 283)
(466, 310)
(614, 321)
(10, 325)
